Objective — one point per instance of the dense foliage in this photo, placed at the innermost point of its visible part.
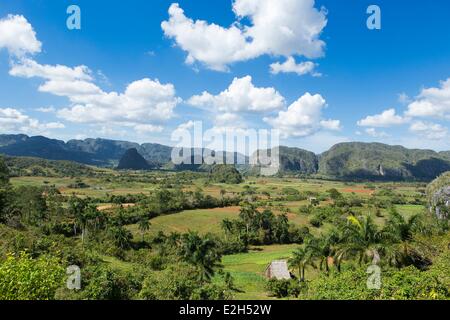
(24, 278)
(181, 282)
(408, 283)
(57, 231)
(261, 228)
(4, 172)
(23, 166)
(225, 174)
(115, 242)
(411, 254)
(292, 161)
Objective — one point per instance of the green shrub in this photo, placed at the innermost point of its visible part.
(4, 172)
(104, 283)
(305, 209)
(24, 278)
(180, 282)
(405, 284)
(316, 221)
(283, 288)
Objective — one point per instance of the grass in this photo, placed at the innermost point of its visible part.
(97, 187)
(408, 210)
(206, 221)
(248, 269)
(203, 221)
(118, 264)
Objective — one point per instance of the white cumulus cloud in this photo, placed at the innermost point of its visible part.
(17, 36)
(376, 134)
(387, 118)
(28, 68)
(331, 124)
(432, 131)
(13, 120)
(290, 66)
(143, 105)
(241, 96)
(277, 27)
(432, 102)
(303, 117)
(229, 121)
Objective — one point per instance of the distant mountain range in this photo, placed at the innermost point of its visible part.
(100, 152)
(352, 160)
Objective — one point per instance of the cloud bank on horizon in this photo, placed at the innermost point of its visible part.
(288, 30)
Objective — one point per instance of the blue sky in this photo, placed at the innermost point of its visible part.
(385, 85)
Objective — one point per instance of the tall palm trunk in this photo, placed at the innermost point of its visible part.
(302, 273)
(83, 233)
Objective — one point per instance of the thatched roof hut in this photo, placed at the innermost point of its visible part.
(278, 269)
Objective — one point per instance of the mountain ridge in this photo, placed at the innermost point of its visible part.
(133, 160)
(347, 160)
(378, 160)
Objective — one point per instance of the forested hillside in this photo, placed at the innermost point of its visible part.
(101, 152)
(26, 166)
(380, 161)
(354, 160)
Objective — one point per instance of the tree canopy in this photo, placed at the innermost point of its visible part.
(4, 172)
(225, 174)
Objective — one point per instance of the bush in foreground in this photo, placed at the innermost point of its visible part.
(24, 278)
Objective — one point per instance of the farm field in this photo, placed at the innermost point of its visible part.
(99, 187)
(248, 269)
(202, 221)
(145, 223)
(95, 187)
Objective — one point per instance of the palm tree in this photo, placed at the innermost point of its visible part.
(362, 238)
(247, 214)
(227, 227)
(323, 248)
(78, 209)
(399, 232)
(239, 229)
(121, 236)
(93, 217)
(143, 224)
(281, 230)
(201, 252)
(301, 257)
(400, 229)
